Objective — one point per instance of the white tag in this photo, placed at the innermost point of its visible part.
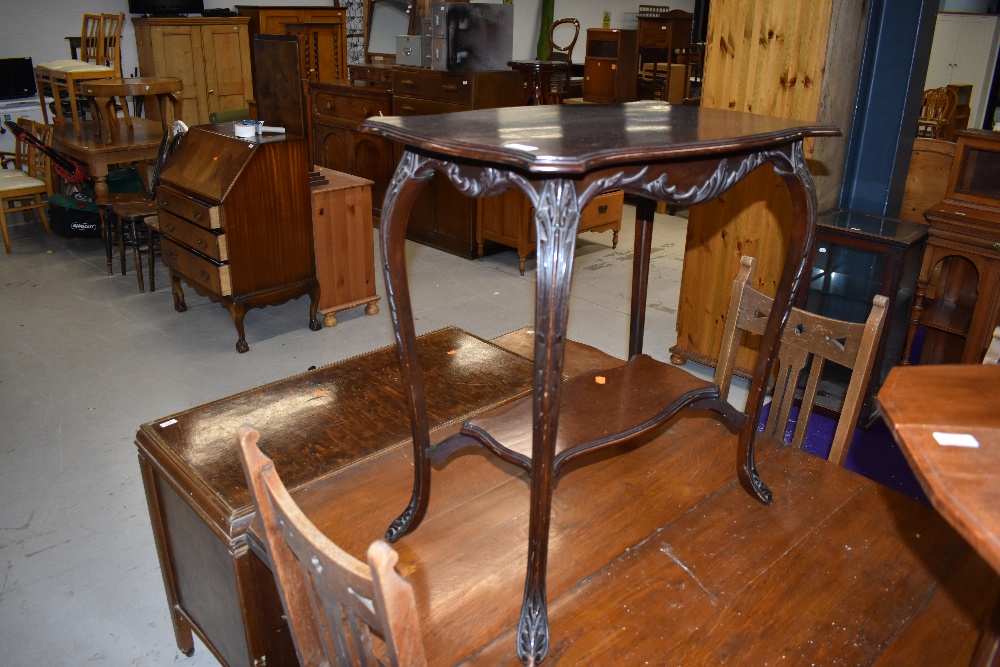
(521, 147)
(956, 440)
(169, 422)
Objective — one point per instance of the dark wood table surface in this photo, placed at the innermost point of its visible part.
(561, 157)
(658, 556)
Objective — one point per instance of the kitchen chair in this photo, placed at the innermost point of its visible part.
(564, 86)
(808, 338)
(129, 218)
(100, 58)
(936, 112)
(993, 351)
(333, 602)
(25, 177)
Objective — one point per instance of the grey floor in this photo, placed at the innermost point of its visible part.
(85, 359)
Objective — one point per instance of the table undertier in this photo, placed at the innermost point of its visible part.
(599, 409)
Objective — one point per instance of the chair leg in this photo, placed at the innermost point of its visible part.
(152, 258)
(136, 254)
(106, 233)
(41, 214)
(3, 227)
(73, 109)
(40, 85)
(121, 243)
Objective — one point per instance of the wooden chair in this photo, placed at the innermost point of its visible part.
(26, 176)
(563, 87)
(807, 338)
(993, 351)
(333, 602)
(100, 58)
(927, 177)
(936, 112)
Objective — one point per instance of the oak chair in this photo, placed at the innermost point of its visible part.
(936, 112)
(25, 177)
(808, 338)
(333, 602)
(100, 58)
(993, 351)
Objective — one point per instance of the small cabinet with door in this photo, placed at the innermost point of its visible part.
(610, 68)
(210, 55)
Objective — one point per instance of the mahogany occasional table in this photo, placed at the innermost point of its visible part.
(561, 157)
(946, 419)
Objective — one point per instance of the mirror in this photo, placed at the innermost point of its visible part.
(384, 20)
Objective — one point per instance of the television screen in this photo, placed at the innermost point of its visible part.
(166, 7)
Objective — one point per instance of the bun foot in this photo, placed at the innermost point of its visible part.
(330, 320)
(371, 309)
(677, 360)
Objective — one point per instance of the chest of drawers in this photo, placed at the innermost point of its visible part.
(236, 220)
(442, 217)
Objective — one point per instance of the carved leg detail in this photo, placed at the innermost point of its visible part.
(915, 314)
(238, 312)
(640, 273)
(533, 629)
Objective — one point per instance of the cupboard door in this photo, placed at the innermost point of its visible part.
(178, 52)
(273, 19)
(227, 67)
(333, 148)
(373, 160)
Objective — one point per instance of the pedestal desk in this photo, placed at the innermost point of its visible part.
(561, 157)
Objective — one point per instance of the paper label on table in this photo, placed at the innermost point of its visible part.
(956, 439)
(169, 422)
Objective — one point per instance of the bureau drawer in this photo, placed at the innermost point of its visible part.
(604, 210)
(193, 236)
(347, 107)
(195, 267)
(438, 86)
(414, 106)
(181, 205)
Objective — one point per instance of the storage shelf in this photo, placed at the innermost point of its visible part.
(947, 316)
(599, 409)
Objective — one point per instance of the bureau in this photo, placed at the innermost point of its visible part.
(442, 217)
(336, 110)
(236, 220)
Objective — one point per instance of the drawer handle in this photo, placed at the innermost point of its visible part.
(996, 246)
(602, 209)
(449, 86)
(366, 112)
(409, 108)
(164, 203)
(204, 275)
(198, 216)
(406, 82)
(169, 226)
(202, 244)
(171, 254)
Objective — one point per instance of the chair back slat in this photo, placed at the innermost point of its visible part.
(335, 604)
(92, 39)
(809, 340)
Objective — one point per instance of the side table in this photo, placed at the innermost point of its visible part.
(102, 93)
(561, 157)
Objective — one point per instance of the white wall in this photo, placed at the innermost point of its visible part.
(37, 28)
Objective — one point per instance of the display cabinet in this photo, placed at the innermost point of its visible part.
(958, 291)
(858, 256)
(610, 68)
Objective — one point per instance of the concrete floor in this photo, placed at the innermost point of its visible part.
(85, 359)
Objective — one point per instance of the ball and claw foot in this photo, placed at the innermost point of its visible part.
(315, 325)
(242, 346)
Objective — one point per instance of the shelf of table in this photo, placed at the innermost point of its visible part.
(599, 409)
(947, 316)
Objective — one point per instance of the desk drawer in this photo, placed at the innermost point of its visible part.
(414, 106)
(200, 213)
(206, 242)
(195, 267)
(443, 87)
(604, 210)
(347, 107)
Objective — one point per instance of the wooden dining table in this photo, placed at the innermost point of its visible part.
(140, 143)
(104, 92)
(946, 419)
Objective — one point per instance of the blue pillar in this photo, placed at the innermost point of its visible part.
(890, 88)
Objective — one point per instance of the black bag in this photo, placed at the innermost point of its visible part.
(76, 216)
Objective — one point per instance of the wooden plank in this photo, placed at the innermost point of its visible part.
(788, 59)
